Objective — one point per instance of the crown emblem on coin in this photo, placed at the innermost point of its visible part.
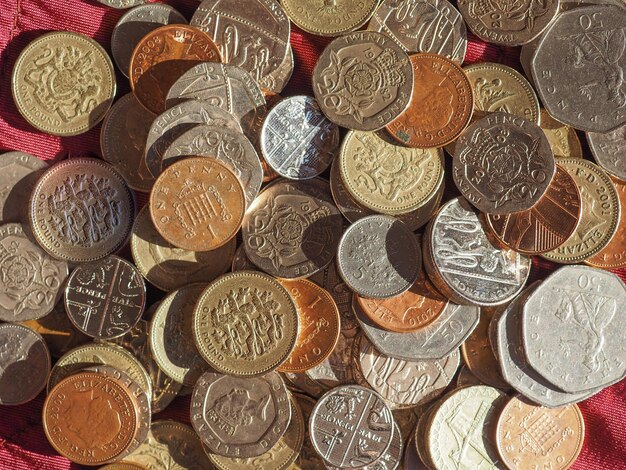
(237, 408)
(390, 68)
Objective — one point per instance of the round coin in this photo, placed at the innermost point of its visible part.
(197, 204)
(441, 106)
(363, 80)
(63, 83)
(245, 331)
(121, 4)
(329, 18)
(81, 210)
(608, 149)
(563, 138)
(240, 417)
(123, 466)
(19, 172)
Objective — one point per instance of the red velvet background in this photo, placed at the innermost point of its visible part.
(23, 444)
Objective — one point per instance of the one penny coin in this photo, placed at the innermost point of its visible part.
(197, 204)
(441, 106)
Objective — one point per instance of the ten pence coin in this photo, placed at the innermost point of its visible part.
(19, 172)
(197, 204)
(63, 83)
(329, 18)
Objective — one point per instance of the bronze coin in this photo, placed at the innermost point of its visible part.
(197, 204)
(162, 56)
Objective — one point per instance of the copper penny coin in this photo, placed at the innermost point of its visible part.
(547, 225)
(529, 436)
(104, 300)
(319, 325)
(162, 56)
(197, 204)
(441, 106)
(81, 210)
(90, 418)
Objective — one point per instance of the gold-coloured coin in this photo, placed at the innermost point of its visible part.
(563, 138)
(245, 324)
(63, 83)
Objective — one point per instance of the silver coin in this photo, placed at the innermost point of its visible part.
(434, 26)
(226, 145)
(434, 341)
(121, 4)
(297, 140)
(609, 150)
(585, 87)
(573, 329)
(301, 382)
(241, 261)
(336, 369)
(134, 25)
(378, 257)
(254, 37)
(19, 172)
(177, 120)
(277, 80)
(340, 416)
(462, 262)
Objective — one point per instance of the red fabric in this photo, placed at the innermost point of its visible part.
(22, 442)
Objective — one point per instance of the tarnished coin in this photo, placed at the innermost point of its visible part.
(241, 261)
(420, 436)
(197, 204)
(293, 228)
(164, 55)
(104, 300)
(123, 466)
(90, 418)
(81, 210)
(245, 331)
(19, 172)
(134, 25)
(177, 120)
(362, 80)
(545, 226)
(329, 19)
(378, 257)
(503, 164)
(563, 138)
(608, 150)
(121, 4)
(585, 88)
(434, 26)
(412, 460)
(556, 435)
(299, 382)
(465, 420)
(123, 141)
(572, 329)
(508, 24)
(462, 262)
(240, 417)
(345, 413)
(226, 145)
(63, 83)
(24, 364)
(171, 336)
(441, 106)
(336, 369)
(297, 140)
(466, 378)
(388, 178)
(600, 213)
(308, 458)
(31, 281)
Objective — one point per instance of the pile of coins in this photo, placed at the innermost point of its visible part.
(356, 292)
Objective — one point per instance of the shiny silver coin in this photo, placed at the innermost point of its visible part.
(276, 81)
(297, 140)
(134, 25)
(19, 172)
(609, 150)
(434, 26)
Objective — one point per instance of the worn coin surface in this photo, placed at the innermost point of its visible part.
(197, 204)
(31, 281)
(600, 216)
(594, 98)
(434, 26)
(276, 81)
(123, 465)
(81, 210)
(325, 18)
(121, 4)
(441, 106)
(240, 416)
(162, 56)
(63, 83)
(563, 138)
(363, 80)
(134, 25)
(378, 257)
(293, 228)
(24, 364)
(297, 140)
(19, 172)
(556, 435)
(245, 331)
(104, 300)
(608, 150)
(90, 418)
(503, 164)
(342, 415)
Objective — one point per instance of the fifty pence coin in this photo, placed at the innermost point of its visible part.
(608, 150)
(19, 172)
(329, 19)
